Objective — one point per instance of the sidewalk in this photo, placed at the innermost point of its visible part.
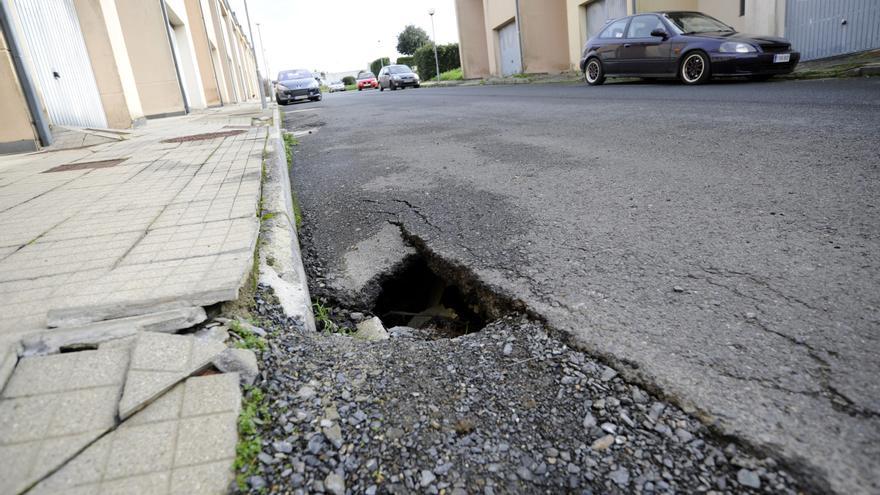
(99, 244)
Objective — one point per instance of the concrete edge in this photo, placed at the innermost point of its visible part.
(281, 264)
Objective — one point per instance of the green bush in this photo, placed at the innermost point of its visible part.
(349, 81)
(446, 54)
(377, 65)
(410, 61)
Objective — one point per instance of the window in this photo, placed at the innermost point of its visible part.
(615, 30)
(642, 25)
(742, 8)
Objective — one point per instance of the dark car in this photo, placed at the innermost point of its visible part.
(367, 80)
(297, 84)
(689, 45)
(397, 76)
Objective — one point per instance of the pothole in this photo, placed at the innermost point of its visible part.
(422, 296)
(416, 297)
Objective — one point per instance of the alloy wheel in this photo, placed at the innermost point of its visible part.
(693, 68)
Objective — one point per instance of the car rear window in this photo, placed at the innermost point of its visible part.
(614, 30)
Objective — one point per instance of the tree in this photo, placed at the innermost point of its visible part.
(447, 55)
(411, 39)
(349, 81)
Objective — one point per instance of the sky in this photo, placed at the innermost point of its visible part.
(339, 35)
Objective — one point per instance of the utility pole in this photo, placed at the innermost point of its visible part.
(434, 35)
(265, 61)
(254, 54)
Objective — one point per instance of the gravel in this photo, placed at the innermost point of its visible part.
(508, 409)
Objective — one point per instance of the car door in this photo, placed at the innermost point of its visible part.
(641, 53)
(610, 42)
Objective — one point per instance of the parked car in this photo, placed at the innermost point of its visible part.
(688, 45)
(335, 86)
(297, 84)
(397, 76)
(367, 80)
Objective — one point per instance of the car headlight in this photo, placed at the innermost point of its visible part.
(314, 85)
(734, 47)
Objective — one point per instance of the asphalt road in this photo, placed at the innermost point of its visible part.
(720, 243)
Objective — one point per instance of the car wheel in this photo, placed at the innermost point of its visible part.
(381, 88)
(594, 73)
(360, 89)
(695, 68)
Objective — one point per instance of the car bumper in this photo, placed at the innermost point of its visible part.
(405, 84)
(752, 64)
(368, 85)
(299, 94)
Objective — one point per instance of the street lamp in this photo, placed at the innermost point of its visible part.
(254, 54)
(265, 61)
(434, 35)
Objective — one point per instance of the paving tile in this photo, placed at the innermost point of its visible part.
(164, 448)
(53, 407)
(160, 361)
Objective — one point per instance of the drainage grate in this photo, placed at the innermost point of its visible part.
(201, 137)
(86, 165)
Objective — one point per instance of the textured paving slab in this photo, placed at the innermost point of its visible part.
(172, 222)
(52, 341)
(160, 361)
(183, 443)
(53, 407)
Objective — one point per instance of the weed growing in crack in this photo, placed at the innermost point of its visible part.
(289, 143)
(253, 410)
(249, 340)
(322, 317)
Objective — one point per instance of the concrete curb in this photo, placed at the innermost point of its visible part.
(280, 256)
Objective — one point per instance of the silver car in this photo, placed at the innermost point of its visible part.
(397, 76)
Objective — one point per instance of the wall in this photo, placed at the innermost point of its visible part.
(544, 33)
(16, 133)
(146, 38)
(112, 68)
(472, 38)
(202, 50)
(576, 17)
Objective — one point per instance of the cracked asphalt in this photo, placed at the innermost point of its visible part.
(717, 244)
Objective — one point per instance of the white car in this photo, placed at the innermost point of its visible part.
(336, 86)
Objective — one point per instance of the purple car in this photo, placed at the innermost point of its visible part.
(688, 45)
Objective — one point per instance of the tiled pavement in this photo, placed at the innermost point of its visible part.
(174, 221)
(169, 229)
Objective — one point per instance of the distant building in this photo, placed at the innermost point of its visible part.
(111, 64)
(504, 37)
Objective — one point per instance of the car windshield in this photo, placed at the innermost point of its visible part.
(290, 75)
(399, 69)
(366, 75)
(693, 22)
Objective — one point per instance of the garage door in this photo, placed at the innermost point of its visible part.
(508, 41)
(601, 11)
(823, 28)
(61, 65)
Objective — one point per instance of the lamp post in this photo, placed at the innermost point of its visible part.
(254, 54)
(434, 35)
(265, 62)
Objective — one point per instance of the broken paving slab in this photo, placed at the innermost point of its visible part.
(241, 361)
(53, 407)
(183, 443)
(53, 341)
(158, 362)
(372, 330)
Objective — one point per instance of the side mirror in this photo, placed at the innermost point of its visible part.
(660, 33)
(274, 82)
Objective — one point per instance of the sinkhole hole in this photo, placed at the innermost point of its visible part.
(430, 299)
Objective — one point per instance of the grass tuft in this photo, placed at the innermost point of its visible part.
(253, 410)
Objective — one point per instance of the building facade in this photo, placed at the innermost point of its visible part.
(504, 37)
(114, 63)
